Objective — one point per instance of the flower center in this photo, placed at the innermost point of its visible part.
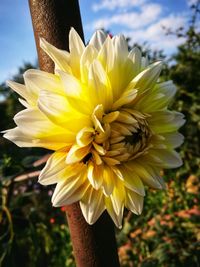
(119, 136)
(87, 158)
(134, 139)
(135, 142)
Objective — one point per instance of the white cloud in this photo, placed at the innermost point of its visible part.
(155, 35)
(113, 4)
(191, 2)
(133, 20)
(142, 21)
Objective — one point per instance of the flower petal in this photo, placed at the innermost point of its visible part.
(120, 47)
(165, 121)
(97, 39)
(21, 90)
(39, 130)
(95, 175)
(59, 111)
(117, 218)
(134, 202)
(118, 197)
(92, 205)
(21, 139)
(106, 55)
(99, 85)
(132, 180)
(157, 99)
(77, 154)
(127, 97)
(164, 158)
(85, 136)
(147, 78)
(135, 55)
(173, 140)
(60, 57)
(56, 169)
(37, 80)
(89, 55)
(76, 48)
(145, 172)
(70, 190)
(109, 178)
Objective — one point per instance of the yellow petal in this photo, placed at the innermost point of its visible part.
(85, 136)
(76, 48)
(75, 93)
(92, 205)
(165, 121)
(97, 116)
(37, 80)
(76, 45)
(134, 202)
(110, 117)
(106, 54)
(96, 157)
(99, 85)
(71, 85)
(95, 175)
(21, 90)
(126, 117)
(127, 97)
(109, 178)
(156, 99)
(58, 110)
(135, 55)
(110, 161)
(147, 78)
(56, 170)
(117, 218)
(145, 172)
(40, 128)
(89, 55)
(24, 103)
(77, 153)
(70, 190)
(118, 197)
(120, 47)
(60, 57)
(97, 39)
(99, 148)
(132, 180)
(121, 72)
(23, 139)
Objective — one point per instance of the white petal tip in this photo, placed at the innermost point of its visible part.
(42, 42)
(9, 83)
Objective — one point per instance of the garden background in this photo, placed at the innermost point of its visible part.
(32, 233)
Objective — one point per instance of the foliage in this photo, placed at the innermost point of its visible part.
(31, 231)
(167, 234)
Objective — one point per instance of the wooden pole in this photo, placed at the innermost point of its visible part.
(93, 245)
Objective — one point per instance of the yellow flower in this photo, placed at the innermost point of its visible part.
(105, 115)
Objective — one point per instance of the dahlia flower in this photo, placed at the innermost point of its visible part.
(104, 114)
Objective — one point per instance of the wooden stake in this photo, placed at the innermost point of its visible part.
(94, 245)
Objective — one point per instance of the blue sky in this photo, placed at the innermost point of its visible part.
(142, 20)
